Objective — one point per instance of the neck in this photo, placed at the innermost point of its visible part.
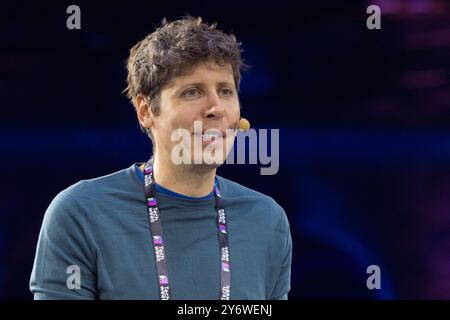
(188, 180)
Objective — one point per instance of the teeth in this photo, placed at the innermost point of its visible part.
(209, 136)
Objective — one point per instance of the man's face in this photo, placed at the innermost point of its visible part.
(207, 95)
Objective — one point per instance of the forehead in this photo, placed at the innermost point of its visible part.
(204, 72)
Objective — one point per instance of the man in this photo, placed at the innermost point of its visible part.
(162, 230)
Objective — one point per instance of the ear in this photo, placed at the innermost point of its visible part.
(143, 111)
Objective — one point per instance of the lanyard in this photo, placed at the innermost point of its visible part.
(158, 242)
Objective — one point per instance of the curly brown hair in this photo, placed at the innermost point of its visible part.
(174, 48)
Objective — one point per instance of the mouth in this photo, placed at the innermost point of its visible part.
(209, 136)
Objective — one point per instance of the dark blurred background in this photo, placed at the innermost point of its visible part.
(364, 120)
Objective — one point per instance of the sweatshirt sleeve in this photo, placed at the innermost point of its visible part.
(283, 282)
(65, 261)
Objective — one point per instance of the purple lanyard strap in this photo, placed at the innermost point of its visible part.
(158, 242)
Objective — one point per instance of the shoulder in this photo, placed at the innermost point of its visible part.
(83, 196)
(235, 192)
(86, 188)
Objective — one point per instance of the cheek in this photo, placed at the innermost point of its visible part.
(235, 114)
(178, 120)
(167, 125)
(186, 121)
(176, 115)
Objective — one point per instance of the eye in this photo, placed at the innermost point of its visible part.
(191, 92)
(226, 91)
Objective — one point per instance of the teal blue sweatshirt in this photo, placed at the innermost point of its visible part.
(95, 243)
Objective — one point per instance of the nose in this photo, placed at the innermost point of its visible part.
(214, 108)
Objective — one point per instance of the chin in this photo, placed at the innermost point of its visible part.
(203, 167)
(211, 161)
(214, 163)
